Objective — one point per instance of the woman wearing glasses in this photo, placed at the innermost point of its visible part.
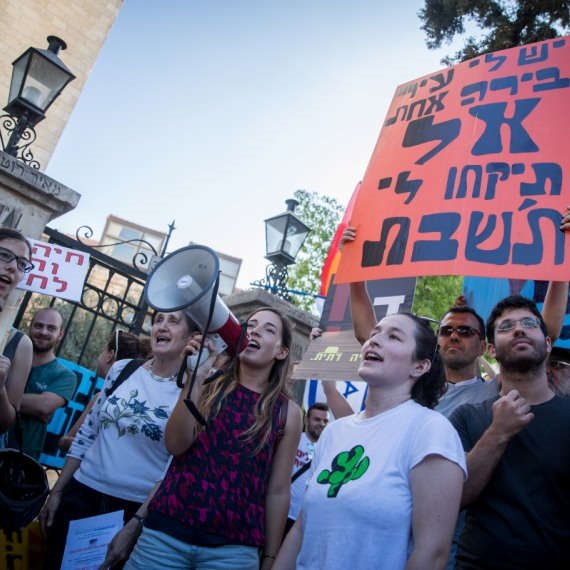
(119, 452)
(386, 483)
(16, 359)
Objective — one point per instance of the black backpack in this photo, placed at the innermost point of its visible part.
(23, 489)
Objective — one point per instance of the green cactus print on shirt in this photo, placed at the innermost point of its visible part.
(346, 466)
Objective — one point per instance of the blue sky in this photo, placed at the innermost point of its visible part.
(213, 112)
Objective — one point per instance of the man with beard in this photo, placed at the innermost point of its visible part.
(315, 422)
(49, 385)
(518, 454)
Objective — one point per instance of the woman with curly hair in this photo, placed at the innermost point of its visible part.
(226, 493)
(119, 452)
(386, 483)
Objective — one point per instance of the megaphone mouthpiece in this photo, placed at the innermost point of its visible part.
(185, 280)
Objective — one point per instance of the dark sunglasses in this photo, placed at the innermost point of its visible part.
(461, 330)
(24, 265)
(559, 364)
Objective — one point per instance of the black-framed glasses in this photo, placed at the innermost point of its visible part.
(526, 323)
(22, 263)
(464, 331)
(558, 364)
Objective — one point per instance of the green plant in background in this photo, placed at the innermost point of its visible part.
(434, 295)
(499, 24)
(346, 466)
(322, 214)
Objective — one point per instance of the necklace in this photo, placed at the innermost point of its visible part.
(157, 377)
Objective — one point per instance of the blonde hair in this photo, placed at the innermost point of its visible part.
(212, 397)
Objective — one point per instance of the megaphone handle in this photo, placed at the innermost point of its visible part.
(188, 400)
(180, 375)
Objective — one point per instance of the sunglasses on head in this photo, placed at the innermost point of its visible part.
(464, 331)
(117, 333)
(559, 364)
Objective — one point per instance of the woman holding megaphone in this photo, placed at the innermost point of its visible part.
(225, 495)
(119, 451)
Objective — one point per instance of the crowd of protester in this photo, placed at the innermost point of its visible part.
(447, 466)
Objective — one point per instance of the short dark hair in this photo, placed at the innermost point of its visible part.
(509, 304)
(10, 233)
(429, 387)
(470, 310)
(127, 345)
(318, 406)
(45, 310)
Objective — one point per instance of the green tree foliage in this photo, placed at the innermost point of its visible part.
(322, 214)
(503, 23)
(434, 295)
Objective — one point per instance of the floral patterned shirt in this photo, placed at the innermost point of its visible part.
(121, 442)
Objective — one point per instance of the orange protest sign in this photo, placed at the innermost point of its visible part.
(470, 173)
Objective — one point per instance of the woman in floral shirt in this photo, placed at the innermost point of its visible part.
(119, 454)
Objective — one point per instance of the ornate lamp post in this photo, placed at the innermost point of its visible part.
(284, 237)
(38, 77)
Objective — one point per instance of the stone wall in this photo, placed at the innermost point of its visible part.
(82, 24)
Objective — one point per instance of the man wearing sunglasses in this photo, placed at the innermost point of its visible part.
(461, 340)
(518, 454)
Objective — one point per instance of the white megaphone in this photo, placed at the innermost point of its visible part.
(184, 281)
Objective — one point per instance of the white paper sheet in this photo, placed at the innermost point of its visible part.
(87, 541)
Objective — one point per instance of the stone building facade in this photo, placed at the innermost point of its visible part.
(82, 24)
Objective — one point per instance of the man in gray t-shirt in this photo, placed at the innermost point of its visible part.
(461, 339)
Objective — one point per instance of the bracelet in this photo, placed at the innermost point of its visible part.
(269, 556)
(139, 519)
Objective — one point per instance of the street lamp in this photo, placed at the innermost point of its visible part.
(284, 237)
(38, 77)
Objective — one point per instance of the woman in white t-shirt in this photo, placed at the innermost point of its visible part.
(119, 454)
(386, 483)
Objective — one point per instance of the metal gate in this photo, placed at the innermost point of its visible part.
(112, 298)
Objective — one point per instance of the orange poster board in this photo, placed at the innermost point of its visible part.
(470, 173)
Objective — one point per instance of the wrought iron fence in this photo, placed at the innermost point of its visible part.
(112, 298)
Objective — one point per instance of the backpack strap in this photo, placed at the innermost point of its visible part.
(129, 368)
(12, 345)
(301, 470)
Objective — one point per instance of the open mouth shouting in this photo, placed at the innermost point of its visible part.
(253, 344)
(162, 339)
(372, 356)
